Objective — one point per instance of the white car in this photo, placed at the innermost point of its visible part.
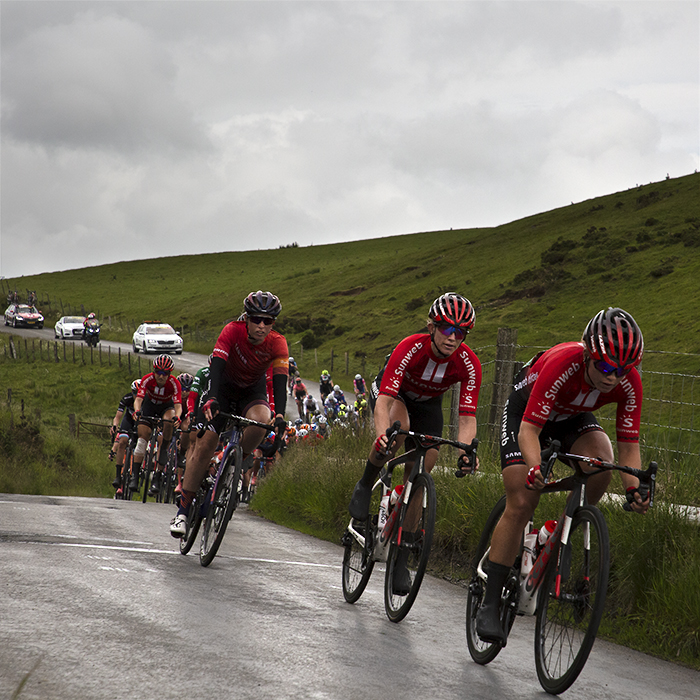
(157, 337)
(69, 327)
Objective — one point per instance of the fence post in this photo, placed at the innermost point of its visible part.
(347, 362)
(71, 424)
(331, 359)
(506, 343)
(454, 412)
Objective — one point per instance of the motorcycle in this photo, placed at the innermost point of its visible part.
(91, 334)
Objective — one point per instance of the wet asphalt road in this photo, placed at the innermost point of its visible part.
(97, 603)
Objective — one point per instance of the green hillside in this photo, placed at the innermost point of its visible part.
(544, 275)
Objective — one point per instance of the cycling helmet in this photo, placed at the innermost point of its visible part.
(358, 376)
(91, 315)
(324, 373)
(453, 309)
(291, 359)
(261, 302)
(614, 337)
(163, 362)
(211, 357)
(135, 384)
(298, 422)
(336, 388)
(186, 380)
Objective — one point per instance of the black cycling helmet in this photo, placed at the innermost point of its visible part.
(614, 337)
(453, 309)
(265, 303)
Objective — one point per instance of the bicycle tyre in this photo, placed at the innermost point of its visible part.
(221, 508)
(358, 558)
(147, 467)
(194, 521)
(566, 626)
(126, 472)
(396, 605)
(485, 652)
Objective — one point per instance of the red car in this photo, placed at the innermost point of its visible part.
(23, 315)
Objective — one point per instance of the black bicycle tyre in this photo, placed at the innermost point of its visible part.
(126, 472)
(220, 511)
(398, 606)
(566, 628)
(485, 652)
(194, 521)
(147, 466)
(171, 474)
(358, 560)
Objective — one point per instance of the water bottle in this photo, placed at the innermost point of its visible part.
(396, 495)
(528, 559)
(545, 531)
(383, 508)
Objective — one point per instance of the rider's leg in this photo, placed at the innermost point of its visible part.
(144, 435)
(595, 444)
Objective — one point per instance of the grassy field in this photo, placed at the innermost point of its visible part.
(544, 275)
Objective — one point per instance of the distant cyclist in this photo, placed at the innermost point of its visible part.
(159, 396)
(238, 384)
(553, 398)
(358, 385)
(122, 426)
(325, 384)
(299, 392)
(410, 388)
(293, 372)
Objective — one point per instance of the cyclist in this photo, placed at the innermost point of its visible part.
(238, 383)
(325, 385)
(409, 389)
(159, 396)
(123, 426)
(553, 398)
(293, 372)
(299, 393)
(310, 407)
(358, 385)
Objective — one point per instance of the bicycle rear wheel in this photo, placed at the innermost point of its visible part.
(413, 551)
(567, 623)
(147, 467)
(358, 559)
(220, 509)
(485, 652)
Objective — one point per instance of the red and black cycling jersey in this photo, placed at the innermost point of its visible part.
(417, 372)
(157, 395)
(246, 363)
(555, 388)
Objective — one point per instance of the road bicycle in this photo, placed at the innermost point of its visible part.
(123, 491)
(168, 483)
(220, 494)
(402, 531)
(566, 586)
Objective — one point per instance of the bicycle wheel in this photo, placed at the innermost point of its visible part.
(147, 468)
(567, 623)
(220, 509)
(358, 559)
(484, 652)
(167, 484)
(194, 520)
(414, 549)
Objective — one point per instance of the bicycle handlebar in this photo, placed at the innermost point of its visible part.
(427, 440)
(241, 420)
(647, 477)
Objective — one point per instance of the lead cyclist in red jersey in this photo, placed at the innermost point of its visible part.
(410, 389)
(553, 398)
(244, 352)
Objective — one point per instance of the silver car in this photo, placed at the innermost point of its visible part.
(156, 337)
(69, 327)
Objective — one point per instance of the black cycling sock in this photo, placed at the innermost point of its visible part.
(370, 475)
(497, 574)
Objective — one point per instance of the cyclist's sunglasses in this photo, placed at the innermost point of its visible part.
(604, 368)
(257, 320)
(449, 330)
(162, 372)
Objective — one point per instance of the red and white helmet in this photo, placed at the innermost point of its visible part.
(614, 337)
(453, 309)
(163, 363)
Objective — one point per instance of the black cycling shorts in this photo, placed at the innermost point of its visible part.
(233, 399)
(152, 410)
(567, 431)
(425, 416)
(127, 424)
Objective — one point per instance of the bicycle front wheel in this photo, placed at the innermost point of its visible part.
(485, 652)
(567, 623)
(408, 559)
(194, 520)
(220, 510)
(358, 559)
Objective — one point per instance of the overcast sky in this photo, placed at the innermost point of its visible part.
(139, 129)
